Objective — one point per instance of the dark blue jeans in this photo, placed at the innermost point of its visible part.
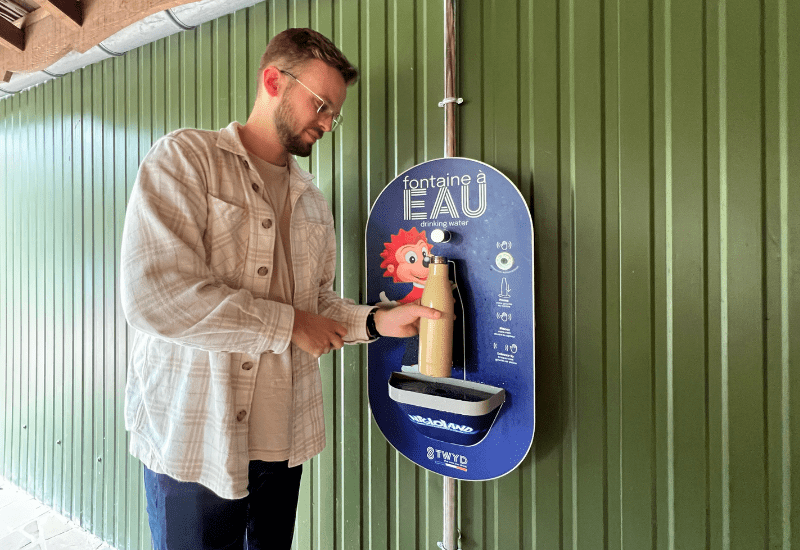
(189, 516)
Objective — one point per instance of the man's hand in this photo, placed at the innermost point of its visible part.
(316, 334)
(403, 321)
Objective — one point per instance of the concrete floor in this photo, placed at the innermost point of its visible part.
(26, 523)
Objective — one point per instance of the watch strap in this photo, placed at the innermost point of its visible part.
(372, 330)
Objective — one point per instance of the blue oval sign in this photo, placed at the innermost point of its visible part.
(479, 423)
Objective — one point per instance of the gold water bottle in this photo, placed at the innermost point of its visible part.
(436, 336)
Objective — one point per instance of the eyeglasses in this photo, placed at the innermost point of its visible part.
(323, 109)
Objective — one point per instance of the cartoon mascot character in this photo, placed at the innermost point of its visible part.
(406, 258)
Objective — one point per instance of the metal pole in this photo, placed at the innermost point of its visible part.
(450, 540)
(449, 79)
(449, 498)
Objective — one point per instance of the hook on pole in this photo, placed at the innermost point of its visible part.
(447, 100)
(441, 545)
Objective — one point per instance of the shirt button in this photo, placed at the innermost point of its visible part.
(255, 187)
(262, 270)
(266, 224)
(247, 366)
(241, 415)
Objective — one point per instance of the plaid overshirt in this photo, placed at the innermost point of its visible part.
(195, 271)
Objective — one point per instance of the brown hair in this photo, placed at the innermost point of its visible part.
(294, 47)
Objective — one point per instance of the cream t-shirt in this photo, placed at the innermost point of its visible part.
(270, 416)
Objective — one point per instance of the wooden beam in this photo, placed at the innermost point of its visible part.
(7, 76)
(11, 37)
(69, 12)
(48, 39)
(33, 17)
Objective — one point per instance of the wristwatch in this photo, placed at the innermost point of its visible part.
(372, 331)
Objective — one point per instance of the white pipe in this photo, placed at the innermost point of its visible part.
(149, 29)
(206, 10)
(153, 27)
(22, 81)
(74, 61)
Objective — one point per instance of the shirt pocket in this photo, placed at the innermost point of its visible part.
(225, 240)
(176, 384)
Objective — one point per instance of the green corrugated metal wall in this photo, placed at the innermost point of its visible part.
(658, 143)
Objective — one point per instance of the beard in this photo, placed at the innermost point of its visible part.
(291, 141)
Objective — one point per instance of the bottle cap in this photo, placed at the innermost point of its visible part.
(438, 260)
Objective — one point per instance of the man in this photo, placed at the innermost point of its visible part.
(228, 260)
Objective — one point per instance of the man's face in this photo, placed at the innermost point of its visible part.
(293, 142)
(296, 119)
